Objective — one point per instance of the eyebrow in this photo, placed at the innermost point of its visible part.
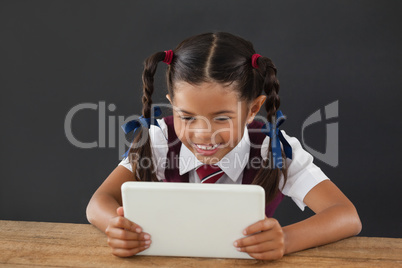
(216, 113)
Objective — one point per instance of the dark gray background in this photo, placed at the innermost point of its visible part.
(57, 54)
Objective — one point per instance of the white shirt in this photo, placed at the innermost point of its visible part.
(303, 174)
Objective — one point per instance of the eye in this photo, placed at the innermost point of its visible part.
(222, 118)
(187, 118)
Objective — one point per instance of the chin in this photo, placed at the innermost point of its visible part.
(208, 159)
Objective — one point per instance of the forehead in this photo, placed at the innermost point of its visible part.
(205, 86)
(206, 98)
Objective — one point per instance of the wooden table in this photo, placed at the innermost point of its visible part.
(33, 244)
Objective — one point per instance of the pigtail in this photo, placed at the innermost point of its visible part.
(140, 153)
(268, 176)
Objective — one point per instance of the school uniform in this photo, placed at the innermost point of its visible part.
(174, 162)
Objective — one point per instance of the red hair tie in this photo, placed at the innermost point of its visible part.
(254, 60)
(168, 57)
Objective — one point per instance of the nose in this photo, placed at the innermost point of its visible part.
(202, 129)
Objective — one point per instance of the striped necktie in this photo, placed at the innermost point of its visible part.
(209, 173)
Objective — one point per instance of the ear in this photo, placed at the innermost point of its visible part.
(168, 97)
(255, 108)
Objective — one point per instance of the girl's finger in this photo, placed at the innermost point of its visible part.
(125, 235)
(120, 211)
(263, 225)
(121, 222)
(269, 255)
(262, 247)
(120, 252)
(254, 239)
(127, 244)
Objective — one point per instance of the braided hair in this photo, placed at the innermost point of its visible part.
(214, 57)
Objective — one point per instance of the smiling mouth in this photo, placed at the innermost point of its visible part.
(206, 147)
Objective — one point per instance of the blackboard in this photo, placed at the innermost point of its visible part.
(339, 65)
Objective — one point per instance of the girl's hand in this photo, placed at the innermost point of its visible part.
(125, 237)
(265, 241)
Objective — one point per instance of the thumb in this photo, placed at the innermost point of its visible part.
(120, 211)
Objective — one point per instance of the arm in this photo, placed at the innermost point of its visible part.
(335, 218)
(105, 212)
(107, 198)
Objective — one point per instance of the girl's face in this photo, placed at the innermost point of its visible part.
(209, 118)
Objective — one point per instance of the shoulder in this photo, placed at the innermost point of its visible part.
(302, 173)
(159, 144)
(159, 134)
(298, 153)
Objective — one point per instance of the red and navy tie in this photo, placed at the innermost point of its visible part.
(209, 173)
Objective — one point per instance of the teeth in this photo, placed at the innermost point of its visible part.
(207, 148)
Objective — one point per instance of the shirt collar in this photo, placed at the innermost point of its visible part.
(232, 163)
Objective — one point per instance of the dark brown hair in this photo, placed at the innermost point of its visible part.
(215, 57)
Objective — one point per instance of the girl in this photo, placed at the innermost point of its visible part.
(216, 84)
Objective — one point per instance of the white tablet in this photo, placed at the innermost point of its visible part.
(194, 220)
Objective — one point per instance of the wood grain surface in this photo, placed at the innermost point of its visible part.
(42, 244)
